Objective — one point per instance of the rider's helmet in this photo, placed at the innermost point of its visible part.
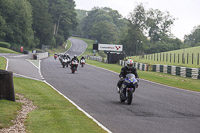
(67, 54)
(129, 63)
(75, 56)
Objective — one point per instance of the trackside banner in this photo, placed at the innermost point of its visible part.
(110, 47)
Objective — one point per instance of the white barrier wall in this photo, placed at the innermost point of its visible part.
(42, 55)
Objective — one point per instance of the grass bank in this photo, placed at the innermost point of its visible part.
(5, 50)
(2, 63)
(177, 58)
(60, 49)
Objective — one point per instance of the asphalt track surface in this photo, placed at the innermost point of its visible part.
(155, 108)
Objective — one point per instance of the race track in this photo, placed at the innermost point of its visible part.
(155, 108)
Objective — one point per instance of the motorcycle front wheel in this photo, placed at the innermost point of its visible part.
(130, 97)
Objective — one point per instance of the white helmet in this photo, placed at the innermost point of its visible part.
(129, 63)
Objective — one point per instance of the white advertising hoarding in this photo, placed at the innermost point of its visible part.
(110, 47)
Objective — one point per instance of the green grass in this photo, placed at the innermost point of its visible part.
(150, 58)
(54, 112)
(8, 112)
(5, 50)
(59, 49)
(2, 63)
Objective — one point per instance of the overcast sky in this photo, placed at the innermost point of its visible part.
(187, 12)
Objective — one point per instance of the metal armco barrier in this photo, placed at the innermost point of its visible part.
(6, 85)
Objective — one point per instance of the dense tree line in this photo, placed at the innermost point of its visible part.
(33, 23)
(102, 24)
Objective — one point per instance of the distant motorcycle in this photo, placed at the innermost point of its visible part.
(64, 62)
(127, 89)
(74, 66)
(82, 62)
(68, 62)
(55, 56)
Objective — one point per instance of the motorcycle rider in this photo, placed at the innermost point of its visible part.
(126, 70)
(75, 58)
(67, 56)
(82, 58)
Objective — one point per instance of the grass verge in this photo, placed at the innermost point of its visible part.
(166, 79)
(59, 49)
(8, 112)
(54, 112)
(176, 58)
(2, 63)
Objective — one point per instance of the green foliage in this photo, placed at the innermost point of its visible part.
(102, 24)
(5, 50)
(4, 44)
(104, 32)
(42, 22)
(193, 39)
(64, 18)
(16, 22)
(149, 32)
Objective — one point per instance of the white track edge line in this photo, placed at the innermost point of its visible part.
(27, 77)
(7, 60)
(150, 81)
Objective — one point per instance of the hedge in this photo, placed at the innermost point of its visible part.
(4, 44)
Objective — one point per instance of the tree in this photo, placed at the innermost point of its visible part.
(64, 18)
(104, 32)
(42, 23)
(149, 31)
(16, 21)
(193, 39)
(98, 19)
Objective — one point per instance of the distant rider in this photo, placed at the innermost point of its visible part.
(75, 58)
(82, 58)
(67, 56)
(126, 70)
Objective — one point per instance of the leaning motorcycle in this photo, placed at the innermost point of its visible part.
(127, 89)
(82, 62)
(74, 66)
